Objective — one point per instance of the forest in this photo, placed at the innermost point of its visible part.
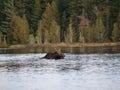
(56, 21)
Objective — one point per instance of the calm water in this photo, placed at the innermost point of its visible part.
(82, 69)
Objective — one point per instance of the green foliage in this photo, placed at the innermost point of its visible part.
(19, 33)
(0, 37)
(35, 17)
(7, 13)
(53, 21)
(64, 25)
(1, 7)
(20, 7)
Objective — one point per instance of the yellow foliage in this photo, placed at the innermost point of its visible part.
(46, 36)
(100, 29)
(54, 32)
(70, 33)
(19, 32)
(90, 33)
(116, 33)
(0, 37)
(39, 33)
(48, 24)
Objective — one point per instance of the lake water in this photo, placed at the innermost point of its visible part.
(82, 69)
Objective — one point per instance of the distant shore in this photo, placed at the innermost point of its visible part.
(66, 45)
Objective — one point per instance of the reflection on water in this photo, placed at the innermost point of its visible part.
(81, 50)
(76, 71)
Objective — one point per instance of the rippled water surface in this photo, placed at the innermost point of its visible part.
(77, 71)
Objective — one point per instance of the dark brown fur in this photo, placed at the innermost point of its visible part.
(54, 55)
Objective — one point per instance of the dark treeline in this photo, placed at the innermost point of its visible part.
(55, 21)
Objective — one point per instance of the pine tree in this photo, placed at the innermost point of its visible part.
(20, 7)
(64, 17)
(35, 17)
(74, 7)
(1, 7)
(46, 17)
(64, 25)
(28, 10)
(8, 11)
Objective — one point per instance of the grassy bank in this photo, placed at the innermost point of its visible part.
(67, 45)
(3, 45)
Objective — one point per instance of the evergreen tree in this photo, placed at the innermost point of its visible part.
(1, 8)
(8, 11)
(64, 25)
(74, 7)
(35, 17)
(29, 5)
(20, 7)
(49, 18)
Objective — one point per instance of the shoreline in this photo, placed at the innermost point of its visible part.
(65, 45)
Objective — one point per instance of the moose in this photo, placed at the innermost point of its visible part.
(54, 55)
